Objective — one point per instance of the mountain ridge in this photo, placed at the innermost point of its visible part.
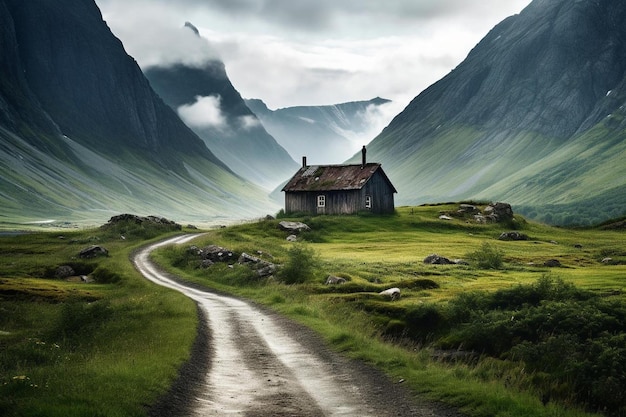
(540, 84)
(327, 134)
(84, 136)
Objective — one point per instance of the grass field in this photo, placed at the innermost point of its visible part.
(110, 347)
(435, 320)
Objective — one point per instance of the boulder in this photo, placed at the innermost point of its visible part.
(435, 259)
(292, 238)
(64, 271)
(552, 263)
(512, 236)
(216, 253)
(263, 268)
(332, 280)
(293, 227)
(392, 293)
(495, 213)
(467, 209)
(93, 252)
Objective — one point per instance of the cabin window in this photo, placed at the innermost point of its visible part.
(368, 201)
(321, 201)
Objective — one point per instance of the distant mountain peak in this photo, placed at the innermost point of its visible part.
(193, 28)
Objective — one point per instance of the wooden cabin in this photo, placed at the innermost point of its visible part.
(339, 189)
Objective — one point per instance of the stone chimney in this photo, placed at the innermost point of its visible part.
(304, 162)
(363, 158)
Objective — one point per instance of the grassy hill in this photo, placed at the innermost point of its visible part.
(471, 335)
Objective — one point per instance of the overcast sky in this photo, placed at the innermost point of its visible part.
(312, 52)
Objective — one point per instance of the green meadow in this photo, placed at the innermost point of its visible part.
(500, 334)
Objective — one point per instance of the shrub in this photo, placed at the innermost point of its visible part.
(301, 264)
(487, 257)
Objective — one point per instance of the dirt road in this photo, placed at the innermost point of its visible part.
(255, 363)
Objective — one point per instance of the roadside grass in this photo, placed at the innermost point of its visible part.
(69, 348)
(406, 338)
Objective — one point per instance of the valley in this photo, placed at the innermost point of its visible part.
(411, 340)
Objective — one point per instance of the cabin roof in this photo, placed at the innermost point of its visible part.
(334, 177)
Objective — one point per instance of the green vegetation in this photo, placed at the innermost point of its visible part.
(72, 348)
(502, 335)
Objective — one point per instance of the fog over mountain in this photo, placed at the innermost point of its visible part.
(325, 134)
(84, 136)
(209, 104)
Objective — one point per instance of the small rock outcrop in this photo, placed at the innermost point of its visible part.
(93, 251)
(262, 268)
(495, 213)
(64, 271)
(435, 259)
(216, 253)
(333, 280)
(512, 236)
(552, 263)
(392, 293)
(293, 227)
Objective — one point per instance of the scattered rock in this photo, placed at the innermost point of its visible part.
(607, 260)
(263, 268)
(64, 271)
(513, 236)
(332, 280)
(270, 217)
(495, 213)
(444, 217)
(192, 227)
(86, 279)
(206, 263)
(460, 262)
(132, 218)
(554, 242)
(578, 246)
(552, 263)
(392, 293)
(292, 238)
(93, 252)
(467, 209)
(435, 259)
(216, 253)
(293, 227)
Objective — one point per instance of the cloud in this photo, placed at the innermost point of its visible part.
(249, 122)
(310, 52)
(154, 33)
(204, 113)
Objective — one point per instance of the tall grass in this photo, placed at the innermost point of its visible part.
(68, 348)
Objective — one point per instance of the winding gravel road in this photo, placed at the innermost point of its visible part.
(260, 364)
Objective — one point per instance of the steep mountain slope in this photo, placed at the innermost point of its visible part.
(210, 105)
(326, 134)
(534, 115)
(83, 135)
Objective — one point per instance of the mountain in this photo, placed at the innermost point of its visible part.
(210, 105)
(84, 136)
(326, 134)
(535, 116)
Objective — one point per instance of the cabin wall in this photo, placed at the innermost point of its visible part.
(344, 202)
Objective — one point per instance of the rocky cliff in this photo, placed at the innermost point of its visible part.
(541, 90)
(222, 119)
(83, 134)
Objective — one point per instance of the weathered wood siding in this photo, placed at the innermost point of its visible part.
(344, 202)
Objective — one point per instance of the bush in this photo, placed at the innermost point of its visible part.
(301, 264)
(487, 257)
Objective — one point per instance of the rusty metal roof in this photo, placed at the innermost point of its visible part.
(333, 177)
